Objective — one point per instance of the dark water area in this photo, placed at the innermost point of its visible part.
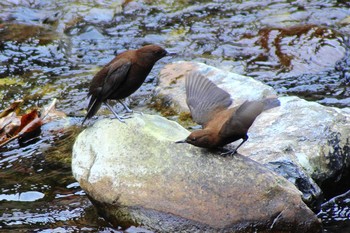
(52, 49)
(335, 214)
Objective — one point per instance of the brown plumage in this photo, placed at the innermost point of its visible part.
(121, 77)
(220, 125)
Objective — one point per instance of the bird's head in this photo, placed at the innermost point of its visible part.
(200, 138)
(151, 53)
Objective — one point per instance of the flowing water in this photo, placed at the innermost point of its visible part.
(51, 49)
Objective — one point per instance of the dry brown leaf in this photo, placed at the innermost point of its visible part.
(27, 118)
(13, 127)
(30, 123)
(14, 107)
(7, 120)
(32, 126)
(9, 125)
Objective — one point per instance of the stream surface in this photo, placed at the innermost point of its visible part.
(52, 49)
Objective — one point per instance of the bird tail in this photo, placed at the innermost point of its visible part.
(270, 102)
(94, 106)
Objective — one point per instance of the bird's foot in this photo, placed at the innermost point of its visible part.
(132, 112)
(120, 118)
(128, 110)
(126, 116)
(229, 152)
(141, 113)
(123, 117)
(232, 152)
(115, 113)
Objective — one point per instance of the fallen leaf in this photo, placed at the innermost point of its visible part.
(28, 125)
(27, 118)
(31, 126)
(9, 126)
(14, 107)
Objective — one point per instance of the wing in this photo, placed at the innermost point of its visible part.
(249, 110)
(107, 80)
(241, 119)
(117, 74)
(204, 98)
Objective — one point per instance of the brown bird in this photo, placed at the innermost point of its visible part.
(121, 77)
(220, 125)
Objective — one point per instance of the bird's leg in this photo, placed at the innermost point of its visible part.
(244, 140)
(127, 109)
(232, 152)
(112, 110)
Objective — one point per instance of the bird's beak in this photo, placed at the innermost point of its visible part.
(181, 141)
(170, 54)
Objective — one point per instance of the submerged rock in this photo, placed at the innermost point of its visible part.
(135, 174)
(305, 142)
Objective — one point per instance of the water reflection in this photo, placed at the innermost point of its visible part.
(335, 214)
(38, 189)
(23, 197)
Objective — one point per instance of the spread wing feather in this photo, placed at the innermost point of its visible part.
(204, 97)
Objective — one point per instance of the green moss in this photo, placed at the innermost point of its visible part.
(61, 152)
(23, 32)
(185, 116)
(47, 89)
(185, 119)
(11, 81)
(179, 32)
(116, 214)
(163, 106)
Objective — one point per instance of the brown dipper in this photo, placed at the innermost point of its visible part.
(221, 125)
(121, 77)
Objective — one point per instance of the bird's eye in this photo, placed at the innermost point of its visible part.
(193, 139)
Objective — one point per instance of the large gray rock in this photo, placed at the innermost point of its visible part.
(305, 142)
(172, 84)
(135, 174)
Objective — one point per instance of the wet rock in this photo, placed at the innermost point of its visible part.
(313, 139)
(90, 33)
(99, 15)
(22, 33)
(33, 16)
(135, 174)
(302, 181)
(172, 84)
